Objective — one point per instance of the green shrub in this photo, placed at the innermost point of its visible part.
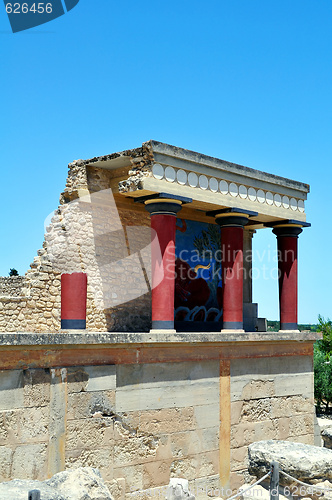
(323, 365)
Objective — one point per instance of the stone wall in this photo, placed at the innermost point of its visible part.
(138, 424)
(271, 398)
(87, 233)
(143, 423)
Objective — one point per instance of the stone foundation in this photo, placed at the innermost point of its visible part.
(145, 407)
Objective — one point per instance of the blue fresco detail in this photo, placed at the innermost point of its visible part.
(198, 272)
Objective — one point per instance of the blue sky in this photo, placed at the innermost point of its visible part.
(248, 82)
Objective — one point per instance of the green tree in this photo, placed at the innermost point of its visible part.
(13, 272)
(325, 327)
(323, 364)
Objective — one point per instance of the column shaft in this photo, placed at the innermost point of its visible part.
(163, 220)
(163, 293)
(287, 266)
(73, 301)
(231, 228)
(232, 277)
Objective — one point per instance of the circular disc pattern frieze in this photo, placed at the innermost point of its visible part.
(277, 200)
(158, 171)
(252, 194)
(269, 198)
(192, 179)
(293, 204)
(223, 186)
(261, 196)
(170, 174)
(233, 189)
(181, 176)
(300, 205)
(213, 183)
(203, 182)
(285, 201)
(243, 191)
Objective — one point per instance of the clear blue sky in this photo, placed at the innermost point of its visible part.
(245, 81)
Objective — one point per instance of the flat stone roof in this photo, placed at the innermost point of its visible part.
(192, 156)
(210, 183)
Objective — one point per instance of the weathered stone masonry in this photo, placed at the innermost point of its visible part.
(144, 408)
(141, 405)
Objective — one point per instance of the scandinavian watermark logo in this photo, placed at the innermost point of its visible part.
(27, 14)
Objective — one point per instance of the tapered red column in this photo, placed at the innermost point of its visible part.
(287, 235)
(231, 225)
(163, 220)
(73, 301)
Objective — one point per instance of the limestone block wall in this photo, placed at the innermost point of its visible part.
(142, 423)
(87, 233)
(139, 424)
(271, 398)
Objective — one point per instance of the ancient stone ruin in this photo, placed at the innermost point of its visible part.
(133, 345)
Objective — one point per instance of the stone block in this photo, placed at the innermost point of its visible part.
(236, 412)
(11, 383)
(6, 458)
(152, 375)
(133, 475)
(301, 424)
(266, 430)
(202, 465)
(36, 387)
(242, 434)
(77, 379)
(256, 410)
(34, 424)
(258, 389)
(90, 433)
(101, 378)
(239, 458)
(301, 383)
(167, 396)
(162, 421)
(30, 461)
(86, 404)
(205, 487)
(156, 473)
(9, 427)
(117, 488)
(101, 459)
(207, 415)
(194, 442)
(291, 405)
(130, 449)
(283, 426)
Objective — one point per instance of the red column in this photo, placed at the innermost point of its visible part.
(287, 265)
(73, 301)
(163, 219)
(231, 225)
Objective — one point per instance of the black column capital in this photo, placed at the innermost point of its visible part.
(235, 219)
(287, 230)
(165, 206)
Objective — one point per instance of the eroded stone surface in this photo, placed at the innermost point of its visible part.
(76, 484)
(302, 461)
(327, 437)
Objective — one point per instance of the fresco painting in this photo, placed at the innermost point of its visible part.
(198, 272)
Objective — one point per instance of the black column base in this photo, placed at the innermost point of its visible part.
(73, 324)
(289, 326)
(162, 325)
(232, 325)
